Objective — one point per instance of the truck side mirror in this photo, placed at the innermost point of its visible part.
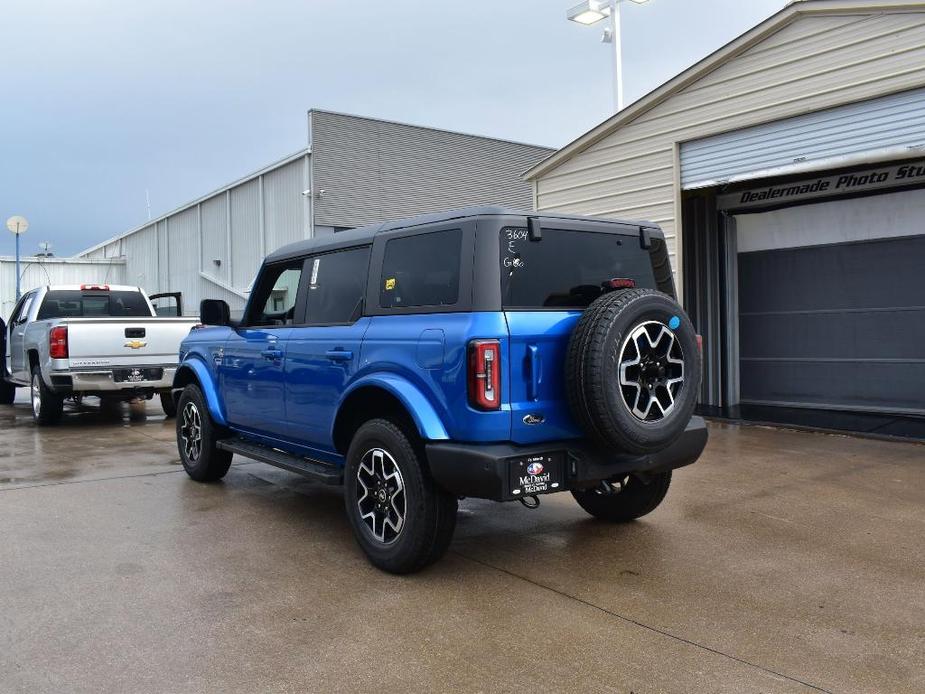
(214, 312)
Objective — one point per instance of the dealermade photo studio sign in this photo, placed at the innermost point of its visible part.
(860, 181)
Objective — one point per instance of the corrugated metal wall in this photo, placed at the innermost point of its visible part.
(140, 251)
(216, 260)
(897, 120)
(815, 62)
(372, 170)
(246, 233)
(36, 272)
(284, 213)
(183, 252)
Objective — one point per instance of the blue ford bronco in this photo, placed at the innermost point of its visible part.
(481, 353)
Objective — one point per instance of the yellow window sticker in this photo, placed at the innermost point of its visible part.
(390, 283)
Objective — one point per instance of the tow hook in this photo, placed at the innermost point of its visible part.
(531, 501)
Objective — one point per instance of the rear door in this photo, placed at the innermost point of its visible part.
(253, 363)
(18, 364)
(323, 355)
(545, 286)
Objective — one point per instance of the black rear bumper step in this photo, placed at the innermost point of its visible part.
(314, 470)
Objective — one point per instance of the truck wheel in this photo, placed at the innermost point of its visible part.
(197, 436)
(624, 500)
(633, 371)
(168, 405)
(400, 518)
(47, 407)
(7, 392)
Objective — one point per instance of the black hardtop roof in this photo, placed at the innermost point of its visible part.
(363, 235)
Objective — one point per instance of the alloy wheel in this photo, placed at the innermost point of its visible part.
(191, 432)
(381, 495)
(651, 371)
(36, 395)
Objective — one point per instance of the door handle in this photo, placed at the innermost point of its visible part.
(339, 355)
(533, 366)
(272, 354)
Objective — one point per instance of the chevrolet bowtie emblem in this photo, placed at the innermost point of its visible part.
(135, 344)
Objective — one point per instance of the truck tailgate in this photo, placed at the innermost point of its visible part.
(96, 342)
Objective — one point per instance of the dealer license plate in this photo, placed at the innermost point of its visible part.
(136, 375)
(536, 474)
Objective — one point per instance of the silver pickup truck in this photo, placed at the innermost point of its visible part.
(92, 339)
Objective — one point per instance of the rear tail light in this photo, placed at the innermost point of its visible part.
(700, 344)
(57, 342)
(485, 374)
(94, 287)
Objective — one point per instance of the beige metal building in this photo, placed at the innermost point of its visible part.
(787, 170)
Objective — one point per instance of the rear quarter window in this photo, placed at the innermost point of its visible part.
(421, 270)
(89, 304)
(566, 269)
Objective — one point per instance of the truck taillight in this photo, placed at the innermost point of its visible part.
(485, 374)
(57, 342)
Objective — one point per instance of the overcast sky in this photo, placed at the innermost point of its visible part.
(102, 99)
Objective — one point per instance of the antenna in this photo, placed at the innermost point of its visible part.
(148, 203)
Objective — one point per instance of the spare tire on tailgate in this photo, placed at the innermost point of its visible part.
(633, 371)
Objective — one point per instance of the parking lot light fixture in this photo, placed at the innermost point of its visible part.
(17, 226)
(589, 12)
(593, 11)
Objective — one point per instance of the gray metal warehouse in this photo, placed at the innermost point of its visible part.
(788, 171)
(354, 171)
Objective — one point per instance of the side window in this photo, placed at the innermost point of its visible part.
(337, 284)
(274, 300)
(24, 308)
(17, 309)
(421, 270)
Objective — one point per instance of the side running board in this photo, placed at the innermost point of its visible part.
(314, 470)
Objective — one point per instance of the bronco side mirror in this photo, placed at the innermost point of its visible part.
(214, 312)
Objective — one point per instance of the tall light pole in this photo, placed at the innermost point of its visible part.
(18, 226)
(593, 11)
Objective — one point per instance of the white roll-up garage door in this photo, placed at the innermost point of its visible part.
(894, 123)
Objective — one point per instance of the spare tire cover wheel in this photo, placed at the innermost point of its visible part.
(636, 370)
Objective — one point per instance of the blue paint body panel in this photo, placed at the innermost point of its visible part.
(291, 402)
(538, 346)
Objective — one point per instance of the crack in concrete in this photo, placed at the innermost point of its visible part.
(630, 620)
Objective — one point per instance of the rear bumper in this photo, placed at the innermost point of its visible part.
(483, 470)
(102, 381)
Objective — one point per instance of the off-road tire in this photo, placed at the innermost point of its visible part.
(593, 371)
(210, 463)
(168, 405)
(47, 406)
(635, 500)
(430, 513)
(7, 392)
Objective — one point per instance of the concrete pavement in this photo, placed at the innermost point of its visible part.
(781, 562)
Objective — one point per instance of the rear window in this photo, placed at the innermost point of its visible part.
(78, 304)
(565, 269)
(421, 270)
